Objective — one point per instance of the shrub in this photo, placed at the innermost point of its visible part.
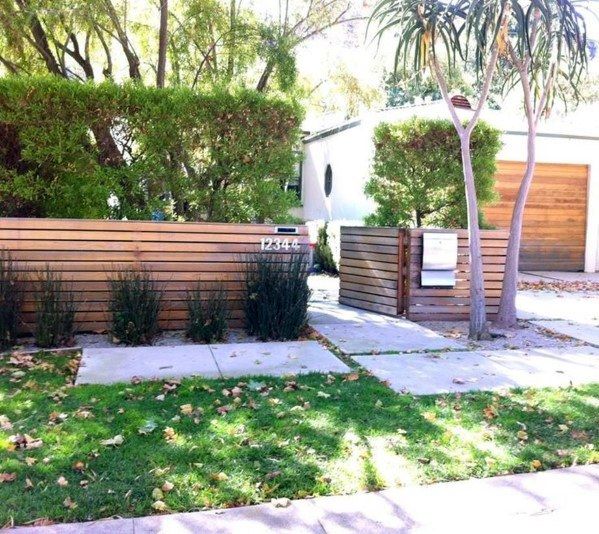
(277, 293)
(215, 155)
(208, 314)
(10, 301)
(135, 303)
(323, 255)
(417, 173)
(55, 310)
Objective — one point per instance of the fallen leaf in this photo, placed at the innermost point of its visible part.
(522, 435)
(7, 477)
(352, 377)
(167, 486)
(430, 416)
(62, 482)
(169, 434)
(281, 503)
(323, 394)
(159, 506)
(536, 464)
(113, 442)
(5, 423)
(157, 494)
(147, 428)
(186, 409)
(69, 503)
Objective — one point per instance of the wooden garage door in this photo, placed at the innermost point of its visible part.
(553, 236)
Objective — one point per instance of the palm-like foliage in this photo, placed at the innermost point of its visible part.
(547, 42)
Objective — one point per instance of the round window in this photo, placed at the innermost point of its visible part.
(328, 180)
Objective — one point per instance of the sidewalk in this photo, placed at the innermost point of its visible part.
(552, 501)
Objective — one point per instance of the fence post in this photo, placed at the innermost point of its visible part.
(401, 271)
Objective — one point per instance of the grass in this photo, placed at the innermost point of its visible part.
(313, 435)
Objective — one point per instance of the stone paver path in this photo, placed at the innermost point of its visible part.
(561, 500)
(424, 374)
(589, 332)
(121, 364)
(360, 332)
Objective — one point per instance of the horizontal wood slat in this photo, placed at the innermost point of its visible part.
(554, 229)
(375, 273)
(177, 255)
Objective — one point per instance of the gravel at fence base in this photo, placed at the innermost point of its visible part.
(523, 336)
(171, 338)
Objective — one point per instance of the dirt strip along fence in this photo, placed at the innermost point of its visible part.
(178, 255)
(380, 271)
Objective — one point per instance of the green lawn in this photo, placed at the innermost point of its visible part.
(268, 438)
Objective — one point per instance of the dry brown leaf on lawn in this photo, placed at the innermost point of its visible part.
(69, 503)
(7, 477)
(351, 377)
(490, 412)
(62, 482)
(113, 442)
(186, 409)
(159, 506)
(169, 434)
(5, 423)
(167, 486)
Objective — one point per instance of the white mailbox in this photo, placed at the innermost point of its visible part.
(439, 259)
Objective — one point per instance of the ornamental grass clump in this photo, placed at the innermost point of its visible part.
(208, 314)
(10, 301)
(135, 302)
(54, 310)
(277, 293)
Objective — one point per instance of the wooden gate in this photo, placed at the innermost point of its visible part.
(380, 271)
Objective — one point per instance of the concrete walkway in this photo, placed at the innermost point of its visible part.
(357, 331)
(562, 500)
(121, 364)
(452, 372)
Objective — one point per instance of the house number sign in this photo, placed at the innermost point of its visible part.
(276, 243)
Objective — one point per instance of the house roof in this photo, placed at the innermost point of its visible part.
(581, 124)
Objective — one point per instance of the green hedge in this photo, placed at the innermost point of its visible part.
(66, 148)
(417, 173)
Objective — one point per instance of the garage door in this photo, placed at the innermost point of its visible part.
(553, 236)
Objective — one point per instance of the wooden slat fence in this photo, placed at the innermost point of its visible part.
(89, 252)
(370, 266)
(437, 304)
(380, 271)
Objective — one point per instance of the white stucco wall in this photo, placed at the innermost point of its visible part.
(350, 151)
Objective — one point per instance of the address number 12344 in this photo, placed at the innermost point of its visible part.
(276, 243)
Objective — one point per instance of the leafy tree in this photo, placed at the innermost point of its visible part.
(417, 174)
(545, 53)
(430, 32)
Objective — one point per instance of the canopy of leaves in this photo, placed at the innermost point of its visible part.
(417, 173)
(69, 149)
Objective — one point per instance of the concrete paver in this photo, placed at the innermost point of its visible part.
(424, 374)
(574, 307)
(361, 332)
(121, 364)
(589, 333)
(276, 359)
(559, 500)
(427, 374)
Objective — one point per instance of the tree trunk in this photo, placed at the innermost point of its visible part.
(162, 44)
(506, 315)
(478, 313)
(266, 73)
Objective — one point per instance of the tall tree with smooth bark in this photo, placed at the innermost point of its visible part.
(162, 44)
(546, 56)
(429, 33)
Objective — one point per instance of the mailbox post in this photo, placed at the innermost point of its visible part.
(439, 259)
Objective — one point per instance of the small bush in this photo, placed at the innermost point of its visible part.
(54, 310)
(208, 314)
(10, 301)
(277, 293)
(135, 303)
(323, 255)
